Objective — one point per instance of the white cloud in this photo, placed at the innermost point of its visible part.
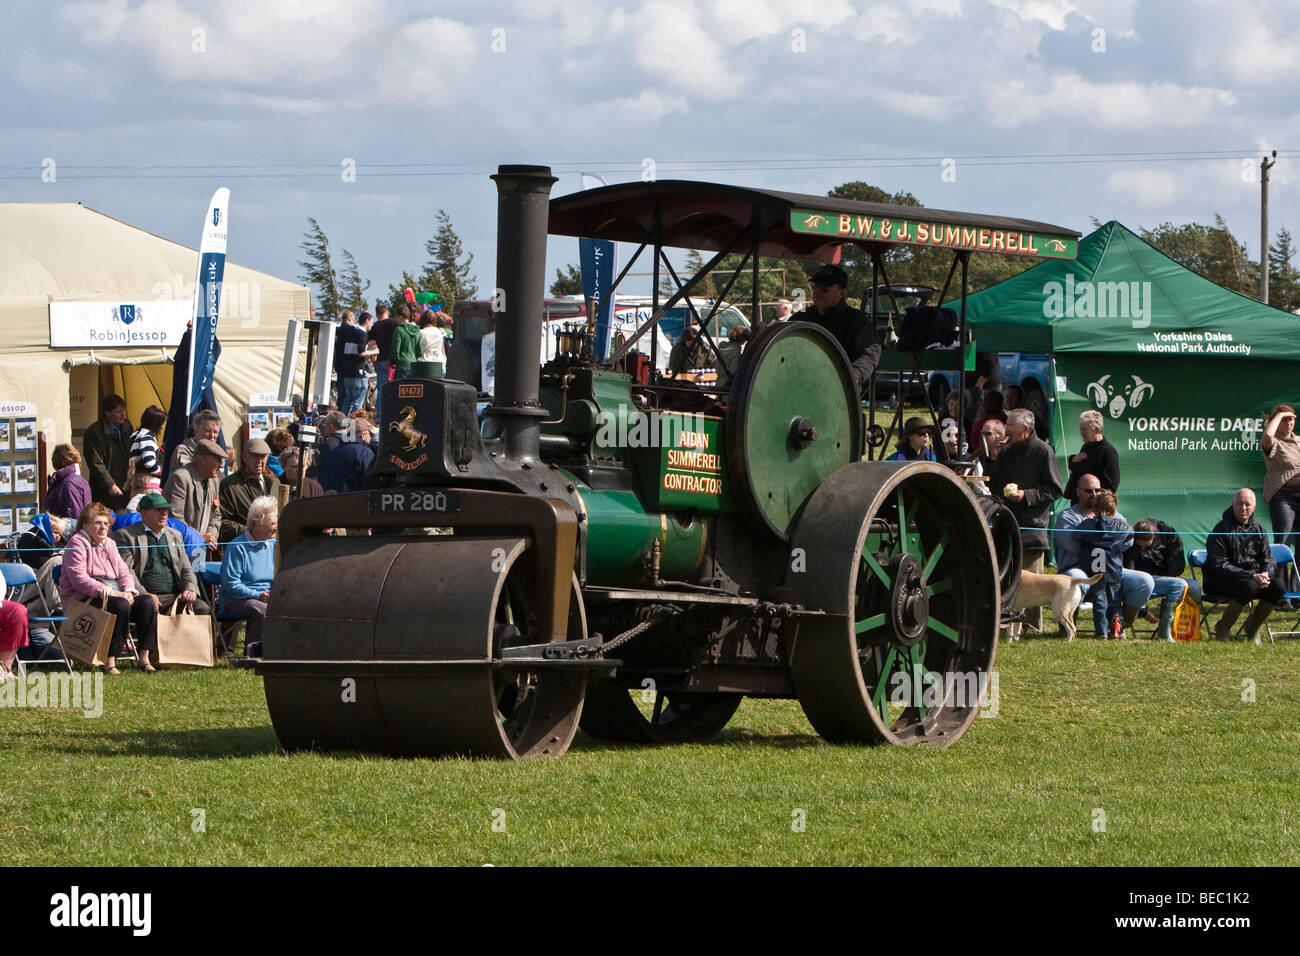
(672, 44)
(1130, 105)
(1146, 187)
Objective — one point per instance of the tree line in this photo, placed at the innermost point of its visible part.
(339, 287)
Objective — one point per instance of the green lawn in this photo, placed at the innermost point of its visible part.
(1156, 737)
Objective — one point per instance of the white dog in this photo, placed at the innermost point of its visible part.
(1060, 591)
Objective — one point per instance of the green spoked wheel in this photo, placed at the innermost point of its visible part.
(900, 560)
(793, 418)
(653, 716)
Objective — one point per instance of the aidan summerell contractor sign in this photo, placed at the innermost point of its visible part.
(924, 232)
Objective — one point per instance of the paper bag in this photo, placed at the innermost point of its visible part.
(87, 632)
(185, 639)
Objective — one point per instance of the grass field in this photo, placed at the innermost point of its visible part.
(1154, 741)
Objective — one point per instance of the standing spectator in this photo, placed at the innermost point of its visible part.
(247, 569)
(1158, 551)
(1097, 457)
(92, 569)
(1075, 555)
(349, 350)
(433, 348)
(277, 439)
(334, 429)
(688, 353)
(990, 412)
(1281, 452)
(992, 438)
(253, 480)
(156, 556)
(381, 333)
(1108, 537)
(343, 468)
(1027, 478)
(68, 492)
(1239, 565)
(146, 458)
(193, 491)
(108, 453)
(406, 346)
(206, 424)
(784, 310)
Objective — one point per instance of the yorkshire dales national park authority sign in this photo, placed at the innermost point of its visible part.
(1186, 428)
(116, 325)
(923, 232)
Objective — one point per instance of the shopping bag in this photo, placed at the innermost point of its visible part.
(1187, 619)
(184, 639)
(87, 632)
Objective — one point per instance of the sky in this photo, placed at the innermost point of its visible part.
(1043, 109)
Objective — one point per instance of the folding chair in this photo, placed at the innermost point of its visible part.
(1284, 559)
(128, 648)
(1197, 560)
(224, 627)
(16, 578)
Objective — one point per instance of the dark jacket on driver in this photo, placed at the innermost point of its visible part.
(853, 329)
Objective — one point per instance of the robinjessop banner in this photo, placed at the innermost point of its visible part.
(115, 325)
(1187, 429)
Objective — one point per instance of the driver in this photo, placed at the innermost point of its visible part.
(850, 326)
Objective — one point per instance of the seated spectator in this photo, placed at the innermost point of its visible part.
(206, 425)
(343, 468)
(44, 537)
(1239, 566)
(1109, 537)
(1158, 551)
(13, 636)
(1097, 457)
(93, 570)
(991, 411)
(370, 423)
(291, 460)
(247, 569)
(156, 556)
(914, 443)
(253, 480)
(39, 633)
(193, 490)
(68, 493)
(1074, 550)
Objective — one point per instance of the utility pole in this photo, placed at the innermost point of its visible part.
(1265, 165)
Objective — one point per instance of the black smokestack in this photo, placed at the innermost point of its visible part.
(523, 207)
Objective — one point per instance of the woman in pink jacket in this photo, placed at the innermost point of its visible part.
(93, 570)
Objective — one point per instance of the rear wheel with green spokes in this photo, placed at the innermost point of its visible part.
(901, 562)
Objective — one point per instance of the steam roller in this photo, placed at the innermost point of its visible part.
(628, 554)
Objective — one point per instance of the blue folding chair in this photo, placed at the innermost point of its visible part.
(1284, 558)
(18, 576)
(223, 624)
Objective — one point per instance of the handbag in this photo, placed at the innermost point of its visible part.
(87, 632)
(185, 639)
(1187, 619)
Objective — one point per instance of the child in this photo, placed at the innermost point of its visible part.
(145, 472)
(1108, 539)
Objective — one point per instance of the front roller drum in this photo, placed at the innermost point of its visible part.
(900, 560)
(426, 622)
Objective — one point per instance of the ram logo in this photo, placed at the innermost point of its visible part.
(1117, 399)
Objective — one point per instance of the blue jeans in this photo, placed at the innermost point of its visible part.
(352, 394)
(1105, 600)
(1135, 587)
(381, 379)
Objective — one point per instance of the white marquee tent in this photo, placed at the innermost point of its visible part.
(61, 259)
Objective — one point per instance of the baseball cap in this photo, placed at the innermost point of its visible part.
(153, 500)
(257, 447)
(829, 276)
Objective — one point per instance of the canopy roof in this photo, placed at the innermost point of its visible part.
(1123, 295)
(697, 215)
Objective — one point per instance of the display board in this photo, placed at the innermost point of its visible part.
(22, 471)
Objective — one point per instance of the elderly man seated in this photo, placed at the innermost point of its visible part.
(1239, 565)
(1158, 551)
(247, 570)
(155, 553)
(237, 492)
(1074, 552)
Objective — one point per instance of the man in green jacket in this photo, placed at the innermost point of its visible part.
(406, 347)
(108, 454)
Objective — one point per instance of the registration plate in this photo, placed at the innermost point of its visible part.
(410, 501)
